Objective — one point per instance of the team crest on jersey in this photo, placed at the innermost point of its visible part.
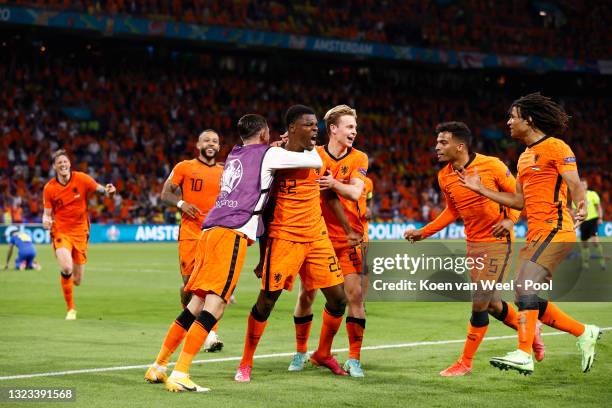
(232, 174)
(535, 158)
(277, 277)
(344, 170)
(75, 190)
(317, 171)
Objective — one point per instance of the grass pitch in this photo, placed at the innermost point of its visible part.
(129, 297)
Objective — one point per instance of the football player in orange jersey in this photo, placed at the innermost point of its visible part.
(193, 186)
(488, 230)
(65, 213)
(345, 177)
(298, 243)
(546, 170)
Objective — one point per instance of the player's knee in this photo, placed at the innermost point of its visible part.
(306, 299)
(265, 303)
(527, 302)
(354, 294)
(481, 306)
(336, 308)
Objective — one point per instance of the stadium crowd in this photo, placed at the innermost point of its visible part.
(557, 28)
(129, 125)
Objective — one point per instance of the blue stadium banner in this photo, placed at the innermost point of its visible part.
(121, 25)
(109, 233)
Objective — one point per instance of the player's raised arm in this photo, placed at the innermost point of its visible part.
(576, 189)
(472, 181)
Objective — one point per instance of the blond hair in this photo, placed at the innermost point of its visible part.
(334, 114)
(58, 153)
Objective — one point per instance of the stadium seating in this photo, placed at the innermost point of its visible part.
(129, 125)
(556, 28)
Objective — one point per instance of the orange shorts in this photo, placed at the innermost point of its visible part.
(549, 248)
(76, 244)
(315, 262)
(187, 252)
(349, 257)
(219, 258)
(489, 260)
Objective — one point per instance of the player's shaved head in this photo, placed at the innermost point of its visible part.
(460, 131)
(296, 112)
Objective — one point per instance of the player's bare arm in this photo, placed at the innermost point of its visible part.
(351, 191)
(576, 189)
(446, 217)
(472, 181)
(171, 195)
(108, 190)
(503, 228)
(47, 218)
(353, 238)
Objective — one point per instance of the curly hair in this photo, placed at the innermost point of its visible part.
(542, 113)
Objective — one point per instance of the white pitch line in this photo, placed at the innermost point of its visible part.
(262, 356)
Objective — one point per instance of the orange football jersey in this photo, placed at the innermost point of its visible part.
(297, 211)
(200, 185)
(68, 203)
(354, 164)
(545, 193)
(479, 213)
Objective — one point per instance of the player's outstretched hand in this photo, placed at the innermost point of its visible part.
(110, 190)
(413, 235)
(469, 180)
(190, 209)
(580, 214)
(503, 228)
(327, 181)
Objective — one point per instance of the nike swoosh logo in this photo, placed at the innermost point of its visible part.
(187, 388)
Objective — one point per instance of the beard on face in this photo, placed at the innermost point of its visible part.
(205, 154)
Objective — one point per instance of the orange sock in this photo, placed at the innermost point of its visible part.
(527, 320)
(255, 329)
(67, 288)
(302, 332)
(174, 337)
(511, 319)
(196, 335)
(329, 328)
(472, 342)
(216, 327)
(555, 317)
(355, 328)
